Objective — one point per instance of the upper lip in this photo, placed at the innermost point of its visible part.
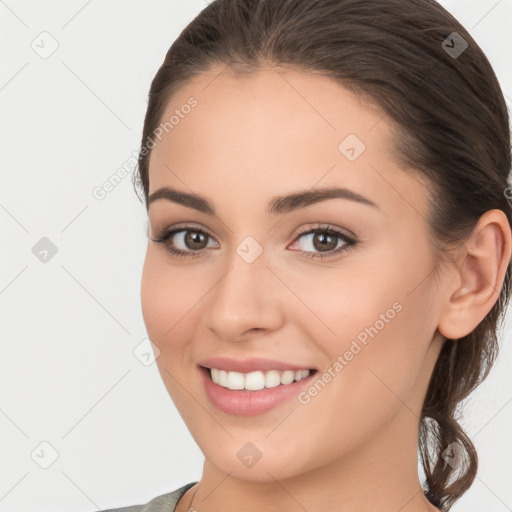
(249, 365)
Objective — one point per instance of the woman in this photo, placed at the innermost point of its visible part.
(329, 250)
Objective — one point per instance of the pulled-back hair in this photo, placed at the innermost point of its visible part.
(450, 118)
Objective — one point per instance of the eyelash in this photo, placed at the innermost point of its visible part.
(165, 235)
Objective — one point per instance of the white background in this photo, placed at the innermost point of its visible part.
(69, 327)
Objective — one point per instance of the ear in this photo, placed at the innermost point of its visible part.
(479, 278)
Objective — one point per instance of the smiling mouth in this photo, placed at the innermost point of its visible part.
(256, 380)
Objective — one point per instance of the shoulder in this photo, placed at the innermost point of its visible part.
(164, 503)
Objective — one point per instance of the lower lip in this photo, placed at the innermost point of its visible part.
(250, 403)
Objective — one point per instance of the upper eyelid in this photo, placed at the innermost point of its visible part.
(315, 226)
(318, 226)
(178, 227)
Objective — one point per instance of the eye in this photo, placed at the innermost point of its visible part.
(189, 239)
(324, 239)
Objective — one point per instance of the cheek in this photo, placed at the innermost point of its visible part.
(377, 316)
(168, 296)
(336, 306)
(381, 292)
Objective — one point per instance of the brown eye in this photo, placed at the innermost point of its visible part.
(191, 242)
(184, 242)
(324, 242)
(195, 239)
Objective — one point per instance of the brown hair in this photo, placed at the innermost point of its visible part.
(451, 124)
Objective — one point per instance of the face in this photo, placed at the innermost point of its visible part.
(342, 285)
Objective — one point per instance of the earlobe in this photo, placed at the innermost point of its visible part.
(481, 273)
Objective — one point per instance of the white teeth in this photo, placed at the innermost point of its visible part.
(300, 374)
(287, 377)
(257, 380)
(272, 379)
(223, 377)
(253, 381)
(236, 380)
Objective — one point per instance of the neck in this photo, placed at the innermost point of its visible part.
(381, 475)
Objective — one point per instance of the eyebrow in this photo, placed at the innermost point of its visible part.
(278, 205)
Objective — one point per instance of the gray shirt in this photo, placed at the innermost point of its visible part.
(164, 503)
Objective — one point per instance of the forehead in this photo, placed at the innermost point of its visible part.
(266, 109)
(271, 130)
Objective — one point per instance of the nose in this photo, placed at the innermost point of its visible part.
(247, 300)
